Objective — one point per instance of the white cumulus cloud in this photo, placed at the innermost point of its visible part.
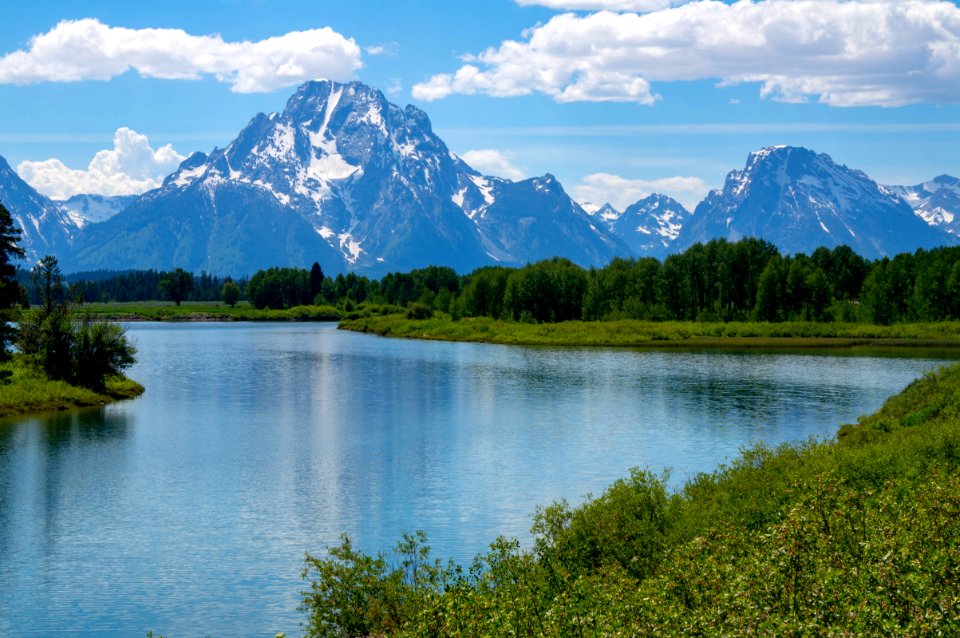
(131, 167)
(90, 50)
(490, 161)
(842, 53)
(620, 191)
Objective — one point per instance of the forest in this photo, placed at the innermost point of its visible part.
(747, 280)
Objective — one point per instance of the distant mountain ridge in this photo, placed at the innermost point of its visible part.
(346, 178)
(800, 200)
(936, 201)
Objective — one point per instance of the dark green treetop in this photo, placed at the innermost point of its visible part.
(10, 290)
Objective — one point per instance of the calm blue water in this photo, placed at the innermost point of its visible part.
(188, 510)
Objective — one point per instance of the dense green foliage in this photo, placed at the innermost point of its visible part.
(133, 285)
(11, 293)
(279, 288)
(230, 293)
(719, 281)
(176, 285)
(61, 362)
(30, 390)
(860, 536)
(81, 351)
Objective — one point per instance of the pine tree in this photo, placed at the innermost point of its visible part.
(316, 281)
(10, 290)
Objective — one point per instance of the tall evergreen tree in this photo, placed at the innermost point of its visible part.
(10, 290)
(316, 281)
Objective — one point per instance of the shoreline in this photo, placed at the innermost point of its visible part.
(666, 335)
(32, 395)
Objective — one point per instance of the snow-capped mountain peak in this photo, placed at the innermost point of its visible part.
(605, 213)
(650, 226)
(936, 201)
(800, 200)
(371, 181)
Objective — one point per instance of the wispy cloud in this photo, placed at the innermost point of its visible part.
(87, 49)
(131, 167)
(394, 87)
(490, 161)
(388, 49)
(601, 188)
(840, 52)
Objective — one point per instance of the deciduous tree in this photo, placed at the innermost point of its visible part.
(176, 285)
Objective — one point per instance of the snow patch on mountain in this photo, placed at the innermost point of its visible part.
(937, 201)
(92, 209)
(649, 227)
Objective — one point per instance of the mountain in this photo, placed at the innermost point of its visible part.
(936, 201)
(92, 209)
(650, 226)
(45, 228)
(346, 178)
(535, 219)
(605, 213)
(800, 200)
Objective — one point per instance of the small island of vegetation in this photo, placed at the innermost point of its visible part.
(63, 359)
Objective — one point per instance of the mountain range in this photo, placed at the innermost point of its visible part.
(346, 178)
(799, 200)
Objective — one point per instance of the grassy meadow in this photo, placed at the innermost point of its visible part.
(632, 333)
(204, 311)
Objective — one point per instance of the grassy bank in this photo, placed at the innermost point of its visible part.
(205, 311)
(855, 536)
(628, 333)
(29, 391)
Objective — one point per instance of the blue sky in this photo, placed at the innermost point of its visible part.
(657, 95)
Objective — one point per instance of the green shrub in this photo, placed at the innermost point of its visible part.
(419, 311)
(855, 537)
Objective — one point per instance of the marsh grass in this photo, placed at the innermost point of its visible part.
(206, 311)
(29, 391)
(630, 333)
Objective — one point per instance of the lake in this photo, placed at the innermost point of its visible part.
(188, 510)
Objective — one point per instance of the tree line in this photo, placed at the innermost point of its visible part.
(746, 280)
(106, 286)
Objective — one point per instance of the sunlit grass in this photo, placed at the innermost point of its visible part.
(29, 391)
(205, 311)
(629, 333)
